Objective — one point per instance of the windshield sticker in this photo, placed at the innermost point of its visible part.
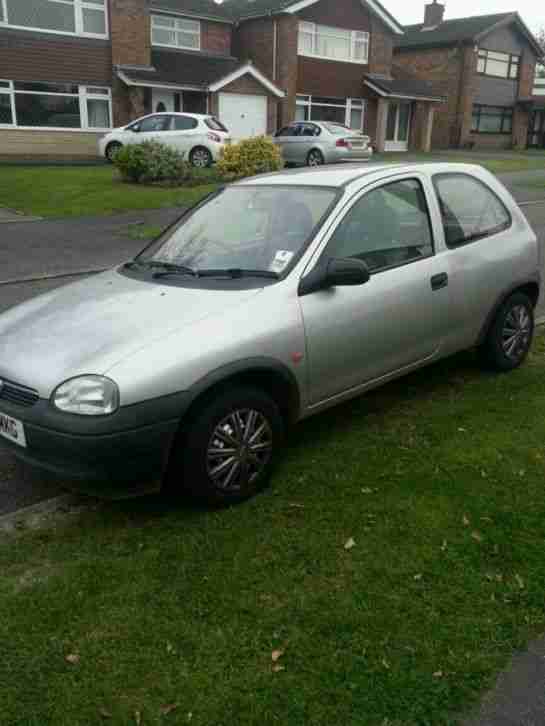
(281, 260)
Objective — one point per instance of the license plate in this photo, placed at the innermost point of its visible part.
(356, 144)
(12, 429)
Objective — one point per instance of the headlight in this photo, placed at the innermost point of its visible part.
(87, 396)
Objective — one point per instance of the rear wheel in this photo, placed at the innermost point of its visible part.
(315, 158)
(227, 454)
(112, 149)
(510, 336)
(200, 157)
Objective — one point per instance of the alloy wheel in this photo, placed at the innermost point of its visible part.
(315, 158)
(200, 158)
(239, 450)
(516, 332)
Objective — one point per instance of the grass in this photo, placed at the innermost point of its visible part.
(438, 478)
(527, 161)
(144, 232)
(92, 190)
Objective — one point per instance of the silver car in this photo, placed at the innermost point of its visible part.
(274, 299)
(312, 143)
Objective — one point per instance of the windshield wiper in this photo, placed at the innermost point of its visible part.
(236, 273)
(166, 268)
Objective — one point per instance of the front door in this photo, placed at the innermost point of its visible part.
(536, 130)
(356, 335)
(398, 126)
(163, 101)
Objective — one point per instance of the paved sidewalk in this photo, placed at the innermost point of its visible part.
(66, 246)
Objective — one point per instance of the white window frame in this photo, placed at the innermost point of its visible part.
(350, 104)
(176, 29)
(78, 7)
(84, 94)
(356, 37)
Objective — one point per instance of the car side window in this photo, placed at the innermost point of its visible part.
(154, 123)
(309, 130)
(469, 208)
(183, 123)
(387, 227)
(287, 131)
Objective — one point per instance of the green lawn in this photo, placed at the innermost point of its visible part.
(69, 191)
(527, 161)
(438, 479)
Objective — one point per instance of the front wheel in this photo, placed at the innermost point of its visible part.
(315, 158)
(511, 333)
(227, 454)
(200, 158)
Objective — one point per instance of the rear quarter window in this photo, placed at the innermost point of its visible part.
(470, 210)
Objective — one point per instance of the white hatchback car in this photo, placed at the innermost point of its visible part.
(200, 137)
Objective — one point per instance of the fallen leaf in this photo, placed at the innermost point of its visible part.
(385, 664)
(165, 710)
(170, 647)
(276, 655)
(366, 490)
(462, 430)
(104, 713)
(465, 520)
(499, 578)
(72, 658)
(520, 581)
(477, 536)
(277, 668)
(484, 474)
(137, 718)
(522, 472)
(349, 543)
(189, 716)
(418, 577)
(295, 505)
(438, 674)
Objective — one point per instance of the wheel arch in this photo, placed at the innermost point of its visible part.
(269, 375)
(530, 287)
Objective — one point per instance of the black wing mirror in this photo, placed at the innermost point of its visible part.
(135, 128)
(335, 272)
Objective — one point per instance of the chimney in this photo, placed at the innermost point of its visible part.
(433, 14)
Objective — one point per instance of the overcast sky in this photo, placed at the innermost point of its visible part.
(412, 11)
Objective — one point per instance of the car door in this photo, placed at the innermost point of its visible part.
(285, 139)
(306, 140)
(356, 335)
(148, 128)
(183, 133)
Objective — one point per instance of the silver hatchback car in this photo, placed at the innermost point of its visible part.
(313, 143)
(270, 301)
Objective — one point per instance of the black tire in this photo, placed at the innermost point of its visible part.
(198, 451)
(510, 336)
(111, 150)
(200, 157)
(315, 158)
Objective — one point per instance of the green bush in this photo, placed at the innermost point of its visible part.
(150, 162)
(249, 157)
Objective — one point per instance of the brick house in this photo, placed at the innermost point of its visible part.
(71, 70)
(485, 65)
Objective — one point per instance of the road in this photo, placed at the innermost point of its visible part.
(21, 486)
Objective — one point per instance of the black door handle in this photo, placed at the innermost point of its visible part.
(439, 281)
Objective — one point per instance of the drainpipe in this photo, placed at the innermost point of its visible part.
(275, 48)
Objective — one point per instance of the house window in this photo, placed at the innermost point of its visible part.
(492, 120)
(54, 106)
(346, 111)
(499, 65)
(175, 32)
(74, 17)
(322, 41)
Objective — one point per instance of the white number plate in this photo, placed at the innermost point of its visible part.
(12, 429)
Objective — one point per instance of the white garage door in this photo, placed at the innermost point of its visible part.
(244, 115)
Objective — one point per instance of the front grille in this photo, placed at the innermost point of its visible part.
(14, 393)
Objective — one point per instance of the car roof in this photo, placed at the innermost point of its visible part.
(343, 175)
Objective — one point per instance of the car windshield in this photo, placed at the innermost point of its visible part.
(259, 228)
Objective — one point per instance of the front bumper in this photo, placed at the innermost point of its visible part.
(111, 456)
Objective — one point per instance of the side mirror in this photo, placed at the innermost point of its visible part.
(135, 128)
(335, 272)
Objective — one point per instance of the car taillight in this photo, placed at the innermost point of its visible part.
(342, 142)
(214, 137)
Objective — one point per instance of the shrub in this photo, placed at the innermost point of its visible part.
(151, 161)
(249, 157)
